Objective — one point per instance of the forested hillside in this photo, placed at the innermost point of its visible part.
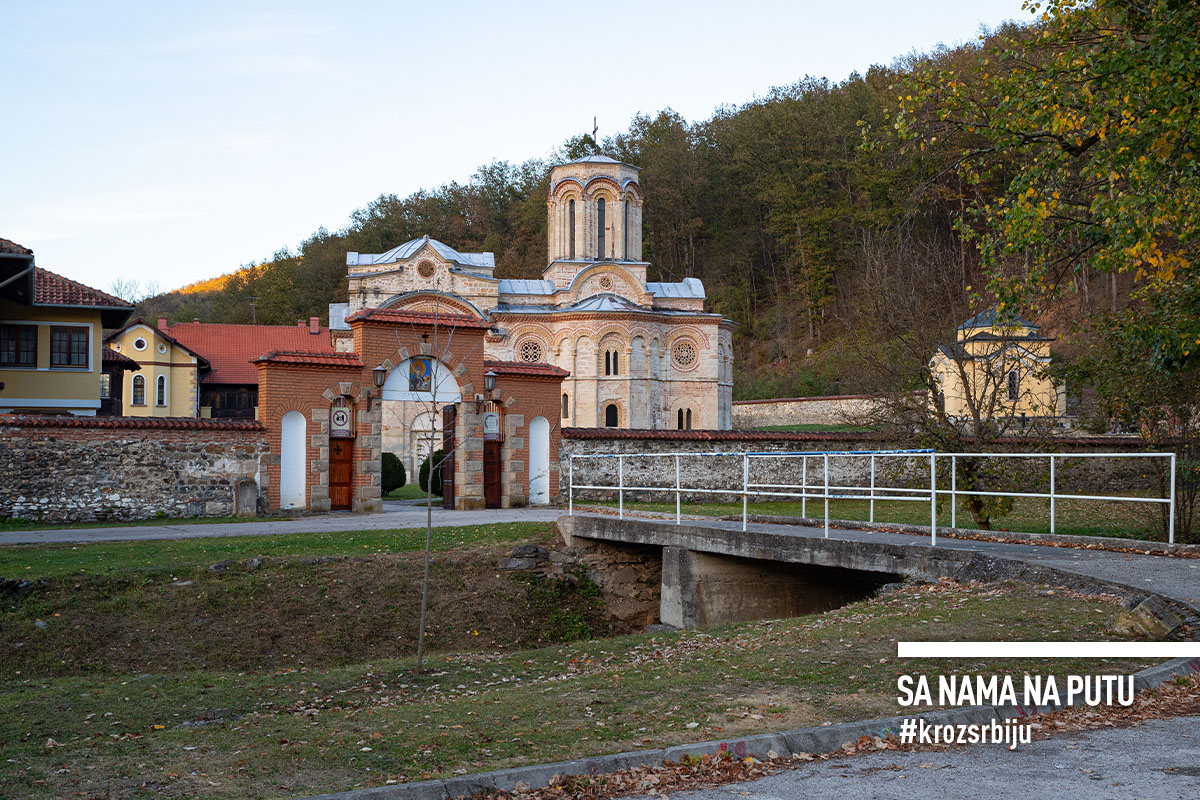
(810, 221)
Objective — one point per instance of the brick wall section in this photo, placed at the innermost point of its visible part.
(832, 410)
(311, 388)
(84, 469)
(523, 399)
(1082, 476)
(301, 387)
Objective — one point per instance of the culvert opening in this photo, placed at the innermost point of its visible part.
(708, 589)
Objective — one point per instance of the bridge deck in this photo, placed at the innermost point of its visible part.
(1176, 578)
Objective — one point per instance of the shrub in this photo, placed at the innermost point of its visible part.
(393, 473)
(423, 473)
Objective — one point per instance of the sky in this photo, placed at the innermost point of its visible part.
(168, 142)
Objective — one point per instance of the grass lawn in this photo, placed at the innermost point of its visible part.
(1029, 515)
(108, 558)
(19, 524)
(411, 491)
(295, 731)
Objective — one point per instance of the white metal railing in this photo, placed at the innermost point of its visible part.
(825, 491)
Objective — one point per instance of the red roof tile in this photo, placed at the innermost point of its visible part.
(13, 249)
(537, 370)
(108, 356)
(230, 349)
(163, 423)
(50, 289)
(419, 318)
(311, 359)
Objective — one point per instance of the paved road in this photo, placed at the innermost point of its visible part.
(1159, 759)
(402, 514)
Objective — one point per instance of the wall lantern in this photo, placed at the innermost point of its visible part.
(379, 378)
(489, 381)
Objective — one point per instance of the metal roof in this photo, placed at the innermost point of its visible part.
(597, 158)
(521, 286)
(410, 248)
(688, 287)
(992, 317)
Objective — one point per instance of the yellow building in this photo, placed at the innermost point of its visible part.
(50, 338)
(168, 384)
(996, 370)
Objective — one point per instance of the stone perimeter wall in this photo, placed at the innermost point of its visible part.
(832, 410)
(83, 469)
(1081, 476)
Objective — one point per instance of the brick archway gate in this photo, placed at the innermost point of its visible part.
(315, 384)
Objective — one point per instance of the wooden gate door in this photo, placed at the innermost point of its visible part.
(491, 474)
(448, 418)
(341, 464)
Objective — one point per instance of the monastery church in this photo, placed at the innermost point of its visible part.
(632, 353)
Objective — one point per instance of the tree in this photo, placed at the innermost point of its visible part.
(913, 307)
(435, 487)
(1096, 107)
(1155, 395)
(392, 475)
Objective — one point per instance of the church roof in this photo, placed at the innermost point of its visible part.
(688, 287)
(992, 317)
(521, 286)
(597, 158)
(411, 247)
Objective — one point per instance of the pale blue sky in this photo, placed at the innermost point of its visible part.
(171, 142)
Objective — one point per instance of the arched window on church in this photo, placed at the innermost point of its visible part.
(566, 409)
(600, 228)
(616, 363)
(607, 362)
(679, 419)
(688, 419)
(611, 415)
(625, 232)
(571, 226)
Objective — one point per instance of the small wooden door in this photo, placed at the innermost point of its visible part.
(449, 416)
(341, 468)
(491, 474)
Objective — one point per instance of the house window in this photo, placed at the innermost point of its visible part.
(18, 345)
(139, 390)
(600, 228)
(420, 375)
(105, 386)
(571, 227)
(1014, 384)
(68, 347)
(160, 392)
(566, 406)
(611, 415)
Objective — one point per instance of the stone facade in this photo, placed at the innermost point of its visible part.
(89, 469)
(639, 354)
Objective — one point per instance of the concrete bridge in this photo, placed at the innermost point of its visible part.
(713, 572)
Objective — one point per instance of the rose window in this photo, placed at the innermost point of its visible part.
(684, 354)
(425, 269)
(530, 352)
